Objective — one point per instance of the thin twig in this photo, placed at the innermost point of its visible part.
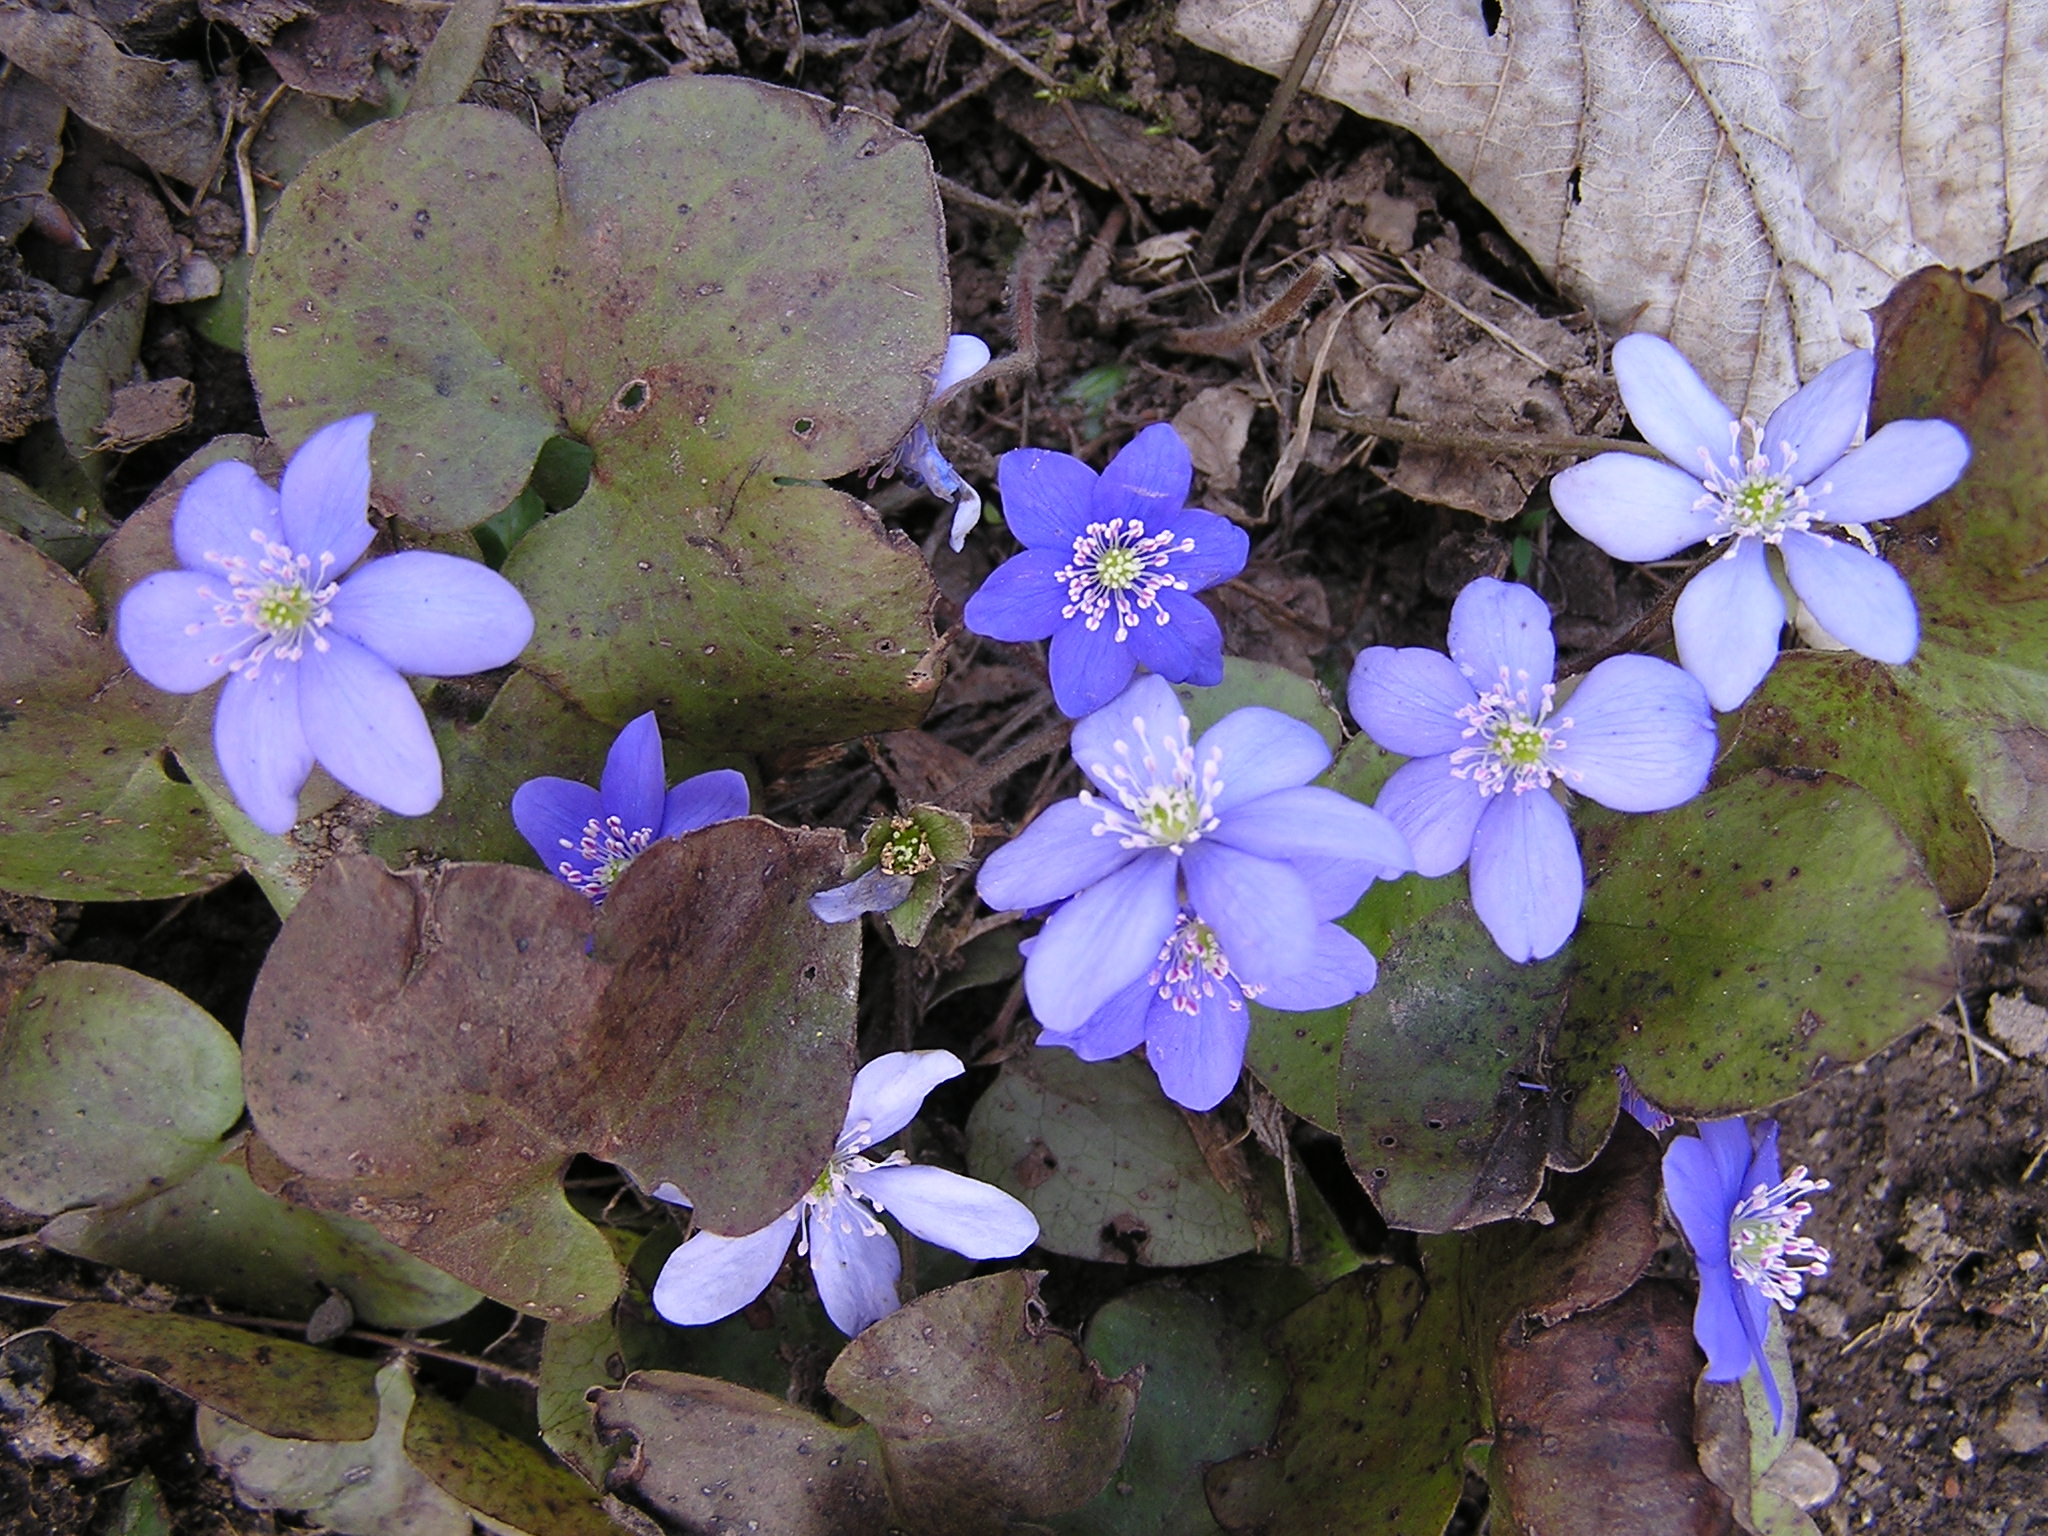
(245, 177)
(990, 41)
(1261, 147)
(541, 7)
(1476, 318)
(967, 197)
(1043, 743)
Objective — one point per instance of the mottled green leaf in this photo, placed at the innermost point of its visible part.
(351, 1487)
(1975, 557)
(215, 1234)
(1105, 1162)
(506, 1480)
(1441, 1107)
(1844, 714)
(407, 271)
(143, 1511)
(282, 1388)
(1384, 1398)
(1267, 685)
(710, 1455)
(1212, 1390)
(111, 1084)
(1734, 949)
(771, 615)
(574, 1357)
(985, 1414)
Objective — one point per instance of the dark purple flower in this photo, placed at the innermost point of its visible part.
(1741, 1221)
(587, 837)
(1109, 567)
(315, 660)
(1200, 874)
(1487, 743)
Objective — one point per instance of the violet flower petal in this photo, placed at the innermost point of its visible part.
(1116, 1027)
(1670, 403)
(1260, 909)
(973, 1219)
(890, 1090)
(1046, 497)
(1642, 735)
(261, 746)
(217, 514)
(1435, 810)
(1502, 625)
(703, 799)
(1820, 422)
(1527, 880)
(711, 1277)
(1198, 1059)
(1408, 700)
(549, 811)
(856, 1267)
(1262, 751)
(1126, 730)
(1057, 855)
(1858, 598)
(1148, 480)
(1634, 508)
(433, 615)
(1727, 622)
(1340, 968)
(1021, 600)
(1313, 822)
(324, 498)
(1089, 667)
(1098, 943)
(634, 781)
(874, 891)
(167, 629)
(366, 728)
(1188, 648)
(1221, 548)
(1905, 464)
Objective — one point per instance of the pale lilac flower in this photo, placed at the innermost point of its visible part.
(1109, 568)
(1741, 1221)
(1488, 741)
(313, 658)
(853, 1258)
(1189, 1013)
(1780, 486)
(917, 458)
(1216, 854)
(587, 838)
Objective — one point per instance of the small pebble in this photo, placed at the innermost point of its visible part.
(2029, 1260)
(1963, 1450)
(1918, 1361)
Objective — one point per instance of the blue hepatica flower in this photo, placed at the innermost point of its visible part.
(1775, 487)
(1742, 1222)
(1194, 876)
(1109, 567)
(587, 837)
(853, 1258)
(1487, 744)
(313, 658)
(917, 458)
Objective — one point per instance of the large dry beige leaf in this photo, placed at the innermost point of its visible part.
(1746, 177)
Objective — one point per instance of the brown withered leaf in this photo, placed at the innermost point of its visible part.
(161, 112)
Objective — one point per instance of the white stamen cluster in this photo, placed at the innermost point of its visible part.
(605, 849)
(1192, 966)
(279, 595)
(1517, 742)
(1117, 565)
(833, 1199)
(1750, 496)
(1764, 1246)
(1161, 801)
